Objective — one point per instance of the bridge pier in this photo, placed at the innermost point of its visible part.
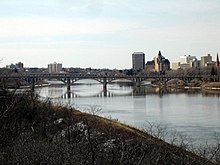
(32, 84)
(105, 93)
(138, 82)
(104, 79)
(68, 88)
(105, 86)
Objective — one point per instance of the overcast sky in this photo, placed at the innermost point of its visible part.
(105, 33)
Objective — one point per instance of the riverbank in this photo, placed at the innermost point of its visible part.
(211, 86)
(194, 84)
(38, 132)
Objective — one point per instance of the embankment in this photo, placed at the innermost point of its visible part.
(38, 132)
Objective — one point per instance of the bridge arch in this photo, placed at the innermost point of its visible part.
(33, 78)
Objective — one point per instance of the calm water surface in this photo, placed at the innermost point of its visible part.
(192, 113)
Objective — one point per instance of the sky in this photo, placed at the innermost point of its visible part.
(105, 33)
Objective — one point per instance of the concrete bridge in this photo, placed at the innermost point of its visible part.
(69, 79)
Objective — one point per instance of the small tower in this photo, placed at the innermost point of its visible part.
(217, 61)
(160, 62)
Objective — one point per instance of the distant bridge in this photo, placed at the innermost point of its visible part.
(69, 79)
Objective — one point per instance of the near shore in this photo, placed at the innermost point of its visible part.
(38, 132)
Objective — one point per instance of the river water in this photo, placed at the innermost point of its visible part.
(191, 113)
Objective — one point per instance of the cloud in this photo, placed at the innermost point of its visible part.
(45, 27)
(54, 27)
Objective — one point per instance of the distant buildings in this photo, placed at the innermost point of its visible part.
(188, 61)
(19, 65)
(158, 64)
(11, 66)
(138, 61)
(206, 61)
(150, 67)
(175, 65)
(161, 63)
(54, 67)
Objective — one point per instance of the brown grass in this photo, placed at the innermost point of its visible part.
(37, 132)
(212, 85)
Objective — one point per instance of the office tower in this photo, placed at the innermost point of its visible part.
(54, 67)
(138, 61)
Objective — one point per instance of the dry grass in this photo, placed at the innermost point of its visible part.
(212, 85)
(37, 132)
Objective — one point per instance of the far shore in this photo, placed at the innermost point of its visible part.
(213, 87)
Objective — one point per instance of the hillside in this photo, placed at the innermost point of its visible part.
(38, 132)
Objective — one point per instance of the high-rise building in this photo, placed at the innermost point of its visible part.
(138, 61)
(54, 67)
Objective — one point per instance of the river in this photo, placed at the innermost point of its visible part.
(190, 113)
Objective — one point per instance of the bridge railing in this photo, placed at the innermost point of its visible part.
(68, 75)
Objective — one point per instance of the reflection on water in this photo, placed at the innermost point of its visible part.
(52, 91)
(188, 111)
(86, 90)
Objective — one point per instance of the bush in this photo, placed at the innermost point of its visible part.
(37, 132)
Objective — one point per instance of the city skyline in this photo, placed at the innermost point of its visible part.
(105, 33)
